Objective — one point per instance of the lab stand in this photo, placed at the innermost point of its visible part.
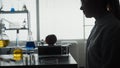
(16, 21)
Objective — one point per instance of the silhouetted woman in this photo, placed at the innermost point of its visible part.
(103, 44)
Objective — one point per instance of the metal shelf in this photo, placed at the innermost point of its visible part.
(9, 12)
(17, 29)
(18, 12)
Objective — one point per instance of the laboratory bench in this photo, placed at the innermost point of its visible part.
(41, 62)
(40, 59)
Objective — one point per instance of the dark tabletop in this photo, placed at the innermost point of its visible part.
(44, 62)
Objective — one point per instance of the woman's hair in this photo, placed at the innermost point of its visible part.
(99, 5)
(114, 7)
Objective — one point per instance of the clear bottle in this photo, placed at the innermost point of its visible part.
(42, 42)
(4, 39)
(24, 8)
(24, 24)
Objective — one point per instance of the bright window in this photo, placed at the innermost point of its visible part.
(60, 17)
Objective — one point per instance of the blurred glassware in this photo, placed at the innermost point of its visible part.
(30, 44)
(12, 9)
(24, 8)
(4, 39)
(17, 52)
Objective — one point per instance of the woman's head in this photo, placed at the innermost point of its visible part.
(94, 8)
(91, 7)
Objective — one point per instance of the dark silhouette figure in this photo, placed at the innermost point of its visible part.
(103, 44)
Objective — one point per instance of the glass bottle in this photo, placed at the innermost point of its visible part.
(17, 52)
(24, 24)
(30, 45)
(4, 40)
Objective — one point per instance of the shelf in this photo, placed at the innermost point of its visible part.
(17, 29)
(9, 12)
(15, 12)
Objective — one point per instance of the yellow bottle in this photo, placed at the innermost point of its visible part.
(4, 43)
(4, 40)
(17, 54)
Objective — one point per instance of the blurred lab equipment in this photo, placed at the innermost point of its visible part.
(17, 53)
(24, 8)
(12, 10)
(11, 24)
(30, 48)
(4, 40)
(1, 8)
(51, 39)
(30, 44)
(24, 24)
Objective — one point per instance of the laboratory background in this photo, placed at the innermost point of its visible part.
(26, 20)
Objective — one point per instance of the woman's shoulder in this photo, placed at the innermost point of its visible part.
(111, 25)
(112, 21)
(108, 20)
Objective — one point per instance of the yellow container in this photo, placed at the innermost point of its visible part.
(17, 54)
(4, 43)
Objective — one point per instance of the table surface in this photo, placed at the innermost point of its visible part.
(56, 60)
